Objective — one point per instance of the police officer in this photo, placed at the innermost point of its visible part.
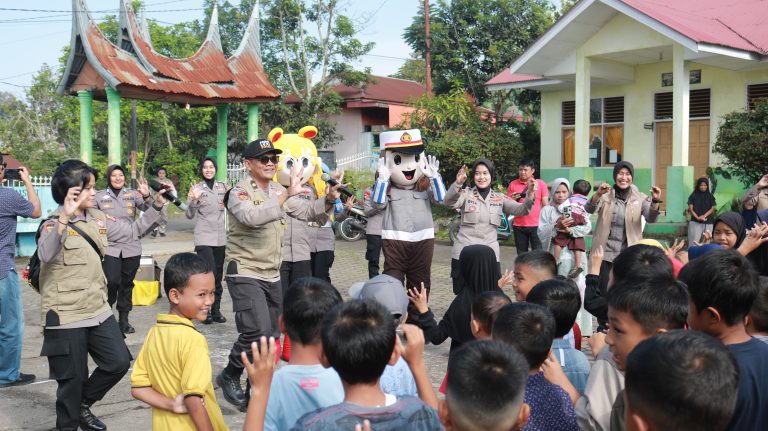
(298, 242)
(258, 208)
(372, 233)
(206, 203)
(162, 178)
(123, 255)
(481, 211)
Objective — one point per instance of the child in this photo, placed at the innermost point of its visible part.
(530, 269)
(485, 389)
(564, 301)
(359, 340)
(680, 380)
(304, 384)
(173, 370)
(573, 208)
(757, 319)
(389, 292)
(723, 287)
(484, 310)
(530, 328)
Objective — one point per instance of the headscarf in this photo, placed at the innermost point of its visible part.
(208, 182)
(622, 194)
(480, 273)
(734, 221)
(759, 256)
(491, 170)
(554, 185)
(111, 169)
(701, 201)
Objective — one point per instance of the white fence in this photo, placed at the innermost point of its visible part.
(365, 161)
(235, 173)
(37, 181)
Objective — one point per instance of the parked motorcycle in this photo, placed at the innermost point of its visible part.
(353, 227)
(504, 231)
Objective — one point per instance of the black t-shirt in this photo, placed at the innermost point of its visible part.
(751, 411)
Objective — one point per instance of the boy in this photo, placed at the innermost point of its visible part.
(304, 384)
(564, 301)
(173, 370)
(723, 287)
(680, 380)
(530, 328)
(359, 340)
(573, 208)
(757, 319)
(530, 269)
(485, 389)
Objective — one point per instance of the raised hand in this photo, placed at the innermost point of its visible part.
(531, 189)
(763, 183)
(195, 192)
(506, 278)
(24, 175)
(603, 189)
(429, 165)
(413, 350)
(655, 192)
(756, 237)
(383, 170)
(296, 179)
(143, 187)
(461, 177)
(672, 250)
(419, 298)
(596, 260)
(706, 238)
(73, 200)
(350, 202)
(260, 371)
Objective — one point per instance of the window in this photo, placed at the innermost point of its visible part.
(756, 91)
(698, 104)
(606, 131)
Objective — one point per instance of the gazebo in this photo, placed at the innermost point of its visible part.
(99, 69)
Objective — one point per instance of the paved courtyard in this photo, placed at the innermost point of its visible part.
(32, 407)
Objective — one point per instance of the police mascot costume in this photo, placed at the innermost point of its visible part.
(408, 181)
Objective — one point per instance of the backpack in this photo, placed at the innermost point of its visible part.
(33, 267)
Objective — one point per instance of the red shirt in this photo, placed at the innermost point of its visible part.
(532, 219)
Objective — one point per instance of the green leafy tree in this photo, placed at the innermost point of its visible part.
(414, 69)
(742, 139)
(473, 40)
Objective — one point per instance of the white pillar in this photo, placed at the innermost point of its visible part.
(680, 96)
(581, 132)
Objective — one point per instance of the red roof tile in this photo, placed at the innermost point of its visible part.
(384, 89)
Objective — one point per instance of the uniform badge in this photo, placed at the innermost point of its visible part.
(106, 206)
(98, 222)
(102, 231)
(49, 226)
(129, 204)
(242, 196)
(71, 232)
(129, 211)
(111, 218)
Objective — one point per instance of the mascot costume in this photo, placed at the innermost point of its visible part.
(407, 181)
(299, 151)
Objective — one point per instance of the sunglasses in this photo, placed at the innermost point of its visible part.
(266, 159)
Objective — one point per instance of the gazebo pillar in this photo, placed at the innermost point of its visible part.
(86, 126)
(222, 110)
(113, 127)
(253, 122)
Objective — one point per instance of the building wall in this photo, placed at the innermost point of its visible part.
(349, 125)
(396, 114)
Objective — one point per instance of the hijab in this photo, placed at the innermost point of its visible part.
(208, 182)
(759, 256)
(111, 169)
(491, 170)
(555, 184)
(701, 201)
(480, 273)
(622, 194)
(734, 221)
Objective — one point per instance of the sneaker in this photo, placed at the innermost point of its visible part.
(24, 379)
(575, 272)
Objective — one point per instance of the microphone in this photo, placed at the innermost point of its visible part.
(156, 186)
(345, 191)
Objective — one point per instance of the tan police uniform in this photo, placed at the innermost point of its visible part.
(163, 224)
(372, 233)
(298, 243)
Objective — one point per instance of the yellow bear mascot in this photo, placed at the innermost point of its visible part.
(298, 150)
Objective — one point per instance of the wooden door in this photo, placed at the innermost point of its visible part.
(663, 155)
(698, 147)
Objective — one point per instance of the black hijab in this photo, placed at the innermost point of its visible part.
(734, 221)
(111, 169)
(701, 201)
(759, 256)
(208, 182)
(622, 194)
(480, 273)
(491, 170)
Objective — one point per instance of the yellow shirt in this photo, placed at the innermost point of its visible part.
(174, 360)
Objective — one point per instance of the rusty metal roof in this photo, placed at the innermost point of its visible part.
(137, 71)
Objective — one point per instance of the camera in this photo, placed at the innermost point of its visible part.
(12, 174)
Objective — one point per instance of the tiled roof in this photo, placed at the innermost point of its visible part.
(507, 77)
(384, 89)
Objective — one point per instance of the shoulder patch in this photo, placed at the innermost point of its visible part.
(242, 195)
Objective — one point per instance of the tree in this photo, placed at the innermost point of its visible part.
(742, 139)
(414, 69)
(472, 40)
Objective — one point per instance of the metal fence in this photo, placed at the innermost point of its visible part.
(365, 161)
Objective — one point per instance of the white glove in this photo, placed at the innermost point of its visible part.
(429, 166)
(383, 170)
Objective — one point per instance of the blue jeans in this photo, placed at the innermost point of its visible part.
(11, 327)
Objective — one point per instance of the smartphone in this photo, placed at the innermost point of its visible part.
(12, 174)
(522, 195)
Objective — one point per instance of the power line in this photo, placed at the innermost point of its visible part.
(16, 76)
(93, 11)
(33, 37)
(14, 85)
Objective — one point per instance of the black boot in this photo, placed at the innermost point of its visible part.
(230, 387)
(122, 322)
(215, 313)
(88, 421)
(208, 319)
(247, 393)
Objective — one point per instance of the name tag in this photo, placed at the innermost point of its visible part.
(71, 232)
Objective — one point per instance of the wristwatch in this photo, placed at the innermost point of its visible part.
(656, 201)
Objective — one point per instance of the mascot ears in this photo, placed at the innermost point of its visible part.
(275, 134)
(308, 132)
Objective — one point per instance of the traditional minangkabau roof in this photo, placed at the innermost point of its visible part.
(137, 71)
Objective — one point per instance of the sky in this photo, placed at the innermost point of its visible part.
(30, 38)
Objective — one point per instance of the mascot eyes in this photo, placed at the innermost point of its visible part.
(289, 164)
(304, 162)
(418, 156)
(398, 159)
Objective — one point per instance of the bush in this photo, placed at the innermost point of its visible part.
(743, 140)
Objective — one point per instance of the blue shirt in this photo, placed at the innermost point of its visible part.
(551, 407)
(574, 363)
(12, 205)
(406, 414)
(299, 389)
(398, 380)
(751, 411)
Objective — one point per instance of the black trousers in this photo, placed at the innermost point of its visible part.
(525, 236)
(120, 272)
(215, 257)
(372, 254)
(256, 304)
(291, 271)
(322, 261)
(67, 351)
(605, 273)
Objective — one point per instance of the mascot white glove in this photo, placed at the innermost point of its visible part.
(383, 170)
(429, 166)
(382, 182)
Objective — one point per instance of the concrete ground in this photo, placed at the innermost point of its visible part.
(32, 407)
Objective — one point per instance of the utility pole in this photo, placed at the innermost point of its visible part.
(134, 180)
(429, 63)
